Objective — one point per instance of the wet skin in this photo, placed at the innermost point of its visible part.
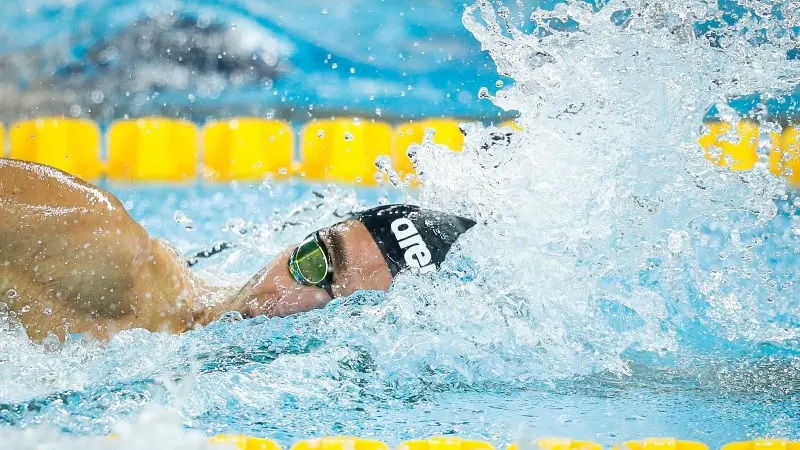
(73, 261)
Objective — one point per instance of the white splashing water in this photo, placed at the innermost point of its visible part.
(163, 430)
(607, 178)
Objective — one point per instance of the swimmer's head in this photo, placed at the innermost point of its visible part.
(413, 238)
(364, 252)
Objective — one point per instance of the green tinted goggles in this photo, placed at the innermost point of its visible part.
(310, 264)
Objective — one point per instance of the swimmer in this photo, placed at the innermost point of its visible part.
(73, 261)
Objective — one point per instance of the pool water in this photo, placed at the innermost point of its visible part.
(347, 370)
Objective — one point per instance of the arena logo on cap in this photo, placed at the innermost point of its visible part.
(417, 254)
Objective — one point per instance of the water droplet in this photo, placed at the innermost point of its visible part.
(383, 163)
(183, 219)
(334, 66)
(97, 97)
(675, 242)
(499, 83)
(348, 136)
(231, 316)
(51, 343)
(427, 138)
(320, 133)
(12, 293)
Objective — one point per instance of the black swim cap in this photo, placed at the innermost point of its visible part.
(409, 236)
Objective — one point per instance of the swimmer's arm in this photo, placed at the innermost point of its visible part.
(217, 301)
(212, 304)
(273, 292)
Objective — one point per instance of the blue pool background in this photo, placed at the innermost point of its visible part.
(390, 60)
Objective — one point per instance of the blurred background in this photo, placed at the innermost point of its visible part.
(198, 59)
(111, 59)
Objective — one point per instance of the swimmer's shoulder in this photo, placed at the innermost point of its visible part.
(27, 183)
(43, 205)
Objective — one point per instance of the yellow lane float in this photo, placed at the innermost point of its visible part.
(71, 145)
(247, 148)
(341, 150)
(344, 150)
(445, 443)
(661, 444)
(339, 443)
(152, 149)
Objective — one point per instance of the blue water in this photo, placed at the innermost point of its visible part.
(360, 56)
(331, 372)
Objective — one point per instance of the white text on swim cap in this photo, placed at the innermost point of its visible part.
(417, 254)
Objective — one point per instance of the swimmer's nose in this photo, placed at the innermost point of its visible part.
(276, 293)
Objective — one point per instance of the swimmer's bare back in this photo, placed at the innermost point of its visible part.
(73, 261)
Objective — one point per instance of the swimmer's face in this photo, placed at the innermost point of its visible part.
(358, 264)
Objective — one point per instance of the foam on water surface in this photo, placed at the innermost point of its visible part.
(615, 274)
